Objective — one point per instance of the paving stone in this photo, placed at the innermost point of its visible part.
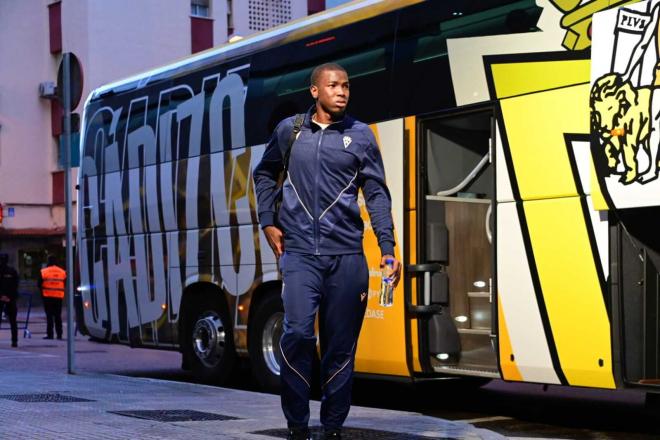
(240, 414)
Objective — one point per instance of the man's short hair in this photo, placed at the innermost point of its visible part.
(318, 70)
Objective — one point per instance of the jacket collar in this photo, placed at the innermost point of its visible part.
(340, 126)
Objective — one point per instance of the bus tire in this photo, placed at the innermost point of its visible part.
(208, 339)
(266, 327)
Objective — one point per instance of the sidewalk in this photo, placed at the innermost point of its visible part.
(83, 406)
(38, 404)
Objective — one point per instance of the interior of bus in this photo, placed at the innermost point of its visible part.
(457, 184)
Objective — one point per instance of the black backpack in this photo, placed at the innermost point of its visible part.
(297, 124)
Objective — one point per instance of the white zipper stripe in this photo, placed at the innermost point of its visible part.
(295, 191)
(343, 366)
(287, 362)
(342, 192)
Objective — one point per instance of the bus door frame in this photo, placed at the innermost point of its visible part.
(421, 313)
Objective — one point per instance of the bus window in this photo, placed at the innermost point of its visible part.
(279, 80)
(457, 157)
(422, 78)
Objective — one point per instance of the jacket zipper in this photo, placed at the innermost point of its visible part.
(316, 195)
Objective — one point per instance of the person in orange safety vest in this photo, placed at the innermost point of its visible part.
(51, 284)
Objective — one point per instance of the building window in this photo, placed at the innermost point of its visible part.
(200, 8)
(314, 6)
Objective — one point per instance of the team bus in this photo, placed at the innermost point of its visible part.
(520, 143)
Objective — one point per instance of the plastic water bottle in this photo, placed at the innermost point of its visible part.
(387, 284)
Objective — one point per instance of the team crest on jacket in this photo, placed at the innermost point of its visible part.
(347, 141)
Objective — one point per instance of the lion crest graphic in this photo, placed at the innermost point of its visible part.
(625, 115)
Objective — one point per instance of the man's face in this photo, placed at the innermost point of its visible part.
(332, 91)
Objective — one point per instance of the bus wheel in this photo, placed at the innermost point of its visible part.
(209, 341)
(264, 344)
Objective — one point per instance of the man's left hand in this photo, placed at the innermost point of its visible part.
(396, 268)
(4, 298)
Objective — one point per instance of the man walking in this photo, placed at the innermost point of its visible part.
(325, 158)
(8, 295)
(51, 284)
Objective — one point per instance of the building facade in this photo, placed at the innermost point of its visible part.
(112, 40)
(249, 16)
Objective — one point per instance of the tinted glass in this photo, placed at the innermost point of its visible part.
(422, 81)
(454, 147)
(280, 77)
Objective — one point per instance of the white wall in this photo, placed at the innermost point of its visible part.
(27, 149)
(120, 38)
(219, 15)
(240, 17)
(298, 9)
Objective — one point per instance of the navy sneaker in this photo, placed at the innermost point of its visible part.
(299, 434)
(332, 434)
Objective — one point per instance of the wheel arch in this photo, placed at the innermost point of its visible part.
(189, 294)
(263, 291)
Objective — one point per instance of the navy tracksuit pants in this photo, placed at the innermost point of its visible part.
(337, 287)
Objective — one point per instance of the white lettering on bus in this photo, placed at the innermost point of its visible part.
(146, 268)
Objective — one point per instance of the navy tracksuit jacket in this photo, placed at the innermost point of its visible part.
(323, 268)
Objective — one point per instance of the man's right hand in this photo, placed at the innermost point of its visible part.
(275, 240)
(4, 298)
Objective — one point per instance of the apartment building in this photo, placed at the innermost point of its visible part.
(112, 40)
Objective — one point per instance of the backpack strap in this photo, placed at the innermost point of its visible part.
(297, 124)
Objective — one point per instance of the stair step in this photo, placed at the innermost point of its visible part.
(479, 294)
(474, 331)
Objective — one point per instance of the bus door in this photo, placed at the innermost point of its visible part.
(453, 299)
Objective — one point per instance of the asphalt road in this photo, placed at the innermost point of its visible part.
(515, 410)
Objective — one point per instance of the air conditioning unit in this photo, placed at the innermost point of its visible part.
(48, 90)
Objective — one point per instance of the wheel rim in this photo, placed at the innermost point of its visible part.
(270, 342)
(208, 339)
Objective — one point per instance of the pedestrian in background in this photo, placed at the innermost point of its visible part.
(51, 285)
(8, 295)
(324, 158)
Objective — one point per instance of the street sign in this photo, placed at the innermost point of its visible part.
(76, 80)
(74, 146)
(10, 212)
